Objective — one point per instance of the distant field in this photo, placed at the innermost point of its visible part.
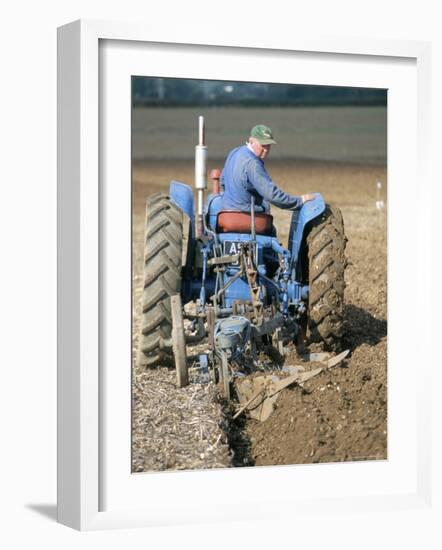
(344, 134)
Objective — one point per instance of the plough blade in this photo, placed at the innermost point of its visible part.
(336, 360)
(259, 394)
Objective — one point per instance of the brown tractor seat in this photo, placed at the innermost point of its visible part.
(233, 221)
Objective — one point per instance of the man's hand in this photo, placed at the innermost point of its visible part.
(308, 197)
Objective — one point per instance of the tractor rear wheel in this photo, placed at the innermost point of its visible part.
(163, 247)
(326, 263)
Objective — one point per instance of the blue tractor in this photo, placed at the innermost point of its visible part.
(244, 286)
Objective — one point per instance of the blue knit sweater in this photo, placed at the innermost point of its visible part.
(244, 176)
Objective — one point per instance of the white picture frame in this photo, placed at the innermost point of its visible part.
(81, 401)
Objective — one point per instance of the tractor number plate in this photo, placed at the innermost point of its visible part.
(234, 247)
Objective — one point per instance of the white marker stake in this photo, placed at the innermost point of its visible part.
(379, 201)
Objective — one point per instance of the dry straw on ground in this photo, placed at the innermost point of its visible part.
(176, 428)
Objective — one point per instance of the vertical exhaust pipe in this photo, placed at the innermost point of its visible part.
(200, 176)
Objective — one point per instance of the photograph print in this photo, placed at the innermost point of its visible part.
(259, 274)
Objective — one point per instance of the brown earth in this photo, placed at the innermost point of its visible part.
(341, 414)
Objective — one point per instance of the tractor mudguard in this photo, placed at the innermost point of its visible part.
(182, 195)
(212, 209)
(300, 218)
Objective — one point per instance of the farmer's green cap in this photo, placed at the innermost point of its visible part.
(263, 134)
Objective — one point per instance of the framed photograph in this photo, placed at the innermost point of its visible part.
(201, 356)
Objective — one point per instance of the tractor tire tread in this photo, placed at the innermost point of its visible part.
(326, 250)
(163, 243)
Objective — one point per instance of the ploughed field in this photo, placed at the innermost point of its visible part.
(340, 415)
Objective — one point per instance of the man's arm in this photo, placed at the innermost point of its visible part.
(261, 181)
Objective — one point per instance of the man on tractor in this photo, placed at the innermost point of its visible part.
(245, 284)
(244, 176)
